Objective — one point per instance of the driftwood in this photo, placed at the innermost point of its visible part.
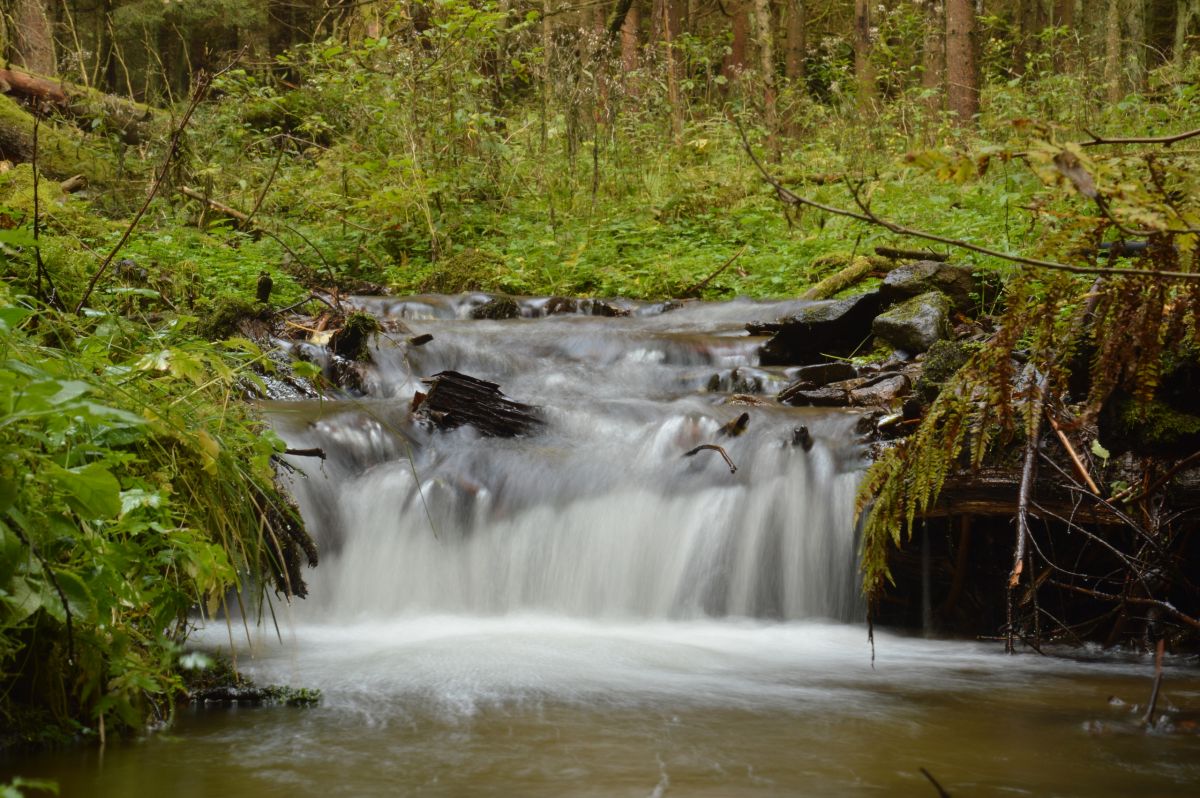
(713, 448)
(455, 399)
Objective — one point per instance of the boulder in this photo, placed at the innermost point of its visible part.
(912, 279)
(819, 329)
(917, 324)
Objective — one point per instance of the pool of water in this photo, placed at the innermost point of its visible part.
(545, 706)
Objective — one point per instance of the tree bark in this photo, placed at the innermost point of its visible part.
(933, 56)
(1112, 51)
(629, 38)
(766, 61)
(33, 38)
(864, 73)
(735, 61)
(962, 71)
(1185, 12)
(796, 42)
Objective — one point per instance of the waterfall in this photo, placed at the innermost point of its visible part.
(600, 514)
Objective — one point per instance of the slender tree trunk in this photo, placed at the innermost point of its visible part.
(670, 29)
(1136, 49)
(766, 62)
(33, 37)
(629, 39)
(1112, 51)
(962, 71)
(796, 41)
(1185, 12)
(933, 56)
(735, 61)
(864, 73)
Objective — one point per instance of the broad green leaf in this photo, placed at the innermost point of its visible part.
(92, 490)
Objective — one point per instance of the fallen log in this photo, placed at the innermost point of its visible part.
(858, 269)
(134, 122)
(62, 151)
(455, 399)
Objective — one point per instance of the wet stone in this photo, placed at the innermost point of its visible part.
(917, 324)
(815, 397)
(958, 283)
(881, 392)
(819, 330)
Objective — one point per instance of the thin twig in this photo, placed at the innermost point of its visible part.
(718, 449)
(700, 286)
(941, 791)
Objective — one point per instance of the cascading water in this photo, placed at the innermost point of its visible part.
(587, 612)
(599, 514)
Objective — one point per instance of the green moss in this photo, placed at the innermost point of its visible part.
(942, 361)
(62, 151)
(352, 339)
(226, 316)
(1157, 425)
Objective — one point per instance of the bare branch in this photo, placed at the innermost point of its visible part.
(1164, 140)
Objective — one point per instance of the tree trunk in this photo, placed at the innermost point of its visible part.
(796, 42)
(766, 61)
(629, 39)
(1136, 49)
(735, 61)
(33, 38)
(1112, 51)
(670, 23)
(962, 72)
(1185, 12)
(933, 57)
(864, 73)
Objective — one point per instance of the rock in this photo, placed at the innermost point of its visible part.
(917, 324)
(824, 373)
(803, 438)
(557, 305)
(940, 363)
(913, 279)
(598, 307)
(820, 329)
(501, 307)
(815, 397)
(737, 380)
(881, 392)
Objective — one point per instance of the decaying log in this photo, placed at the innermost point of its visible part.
(133, 121)
(455, 399)
(242, 219)
(858, 269)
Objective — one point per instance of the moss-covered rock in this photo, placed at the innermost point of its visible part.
(352, 340)
(941, 362)
(917, 324)
(228, 316)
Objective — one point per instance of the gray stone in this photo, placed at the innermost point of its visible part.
(912, 279)
(819, 329)
(824, 373)
(882, 392)
(815, 397)
(917, 324)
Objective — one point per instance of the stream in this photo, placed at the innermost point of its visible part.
(586, 611)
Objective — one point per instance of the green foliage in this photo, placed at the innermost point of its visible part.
(131, 491)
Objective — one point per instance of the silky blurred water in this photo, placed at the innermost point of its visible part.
(588, 612)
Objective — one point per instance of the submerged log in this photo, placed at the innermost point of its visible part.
(455, 399)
